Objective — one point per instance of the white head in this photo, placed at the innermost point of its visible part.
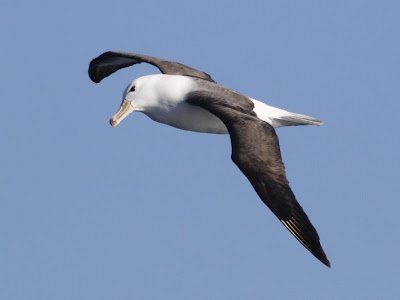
(152, 91)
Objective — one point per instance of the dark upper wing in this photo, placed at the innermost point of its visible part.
(111, 61)
(255, 150)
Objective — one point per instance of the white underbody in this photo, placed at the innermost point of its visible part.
(162, 98)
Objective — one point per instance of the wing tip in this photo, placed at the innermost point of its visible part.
(93, 75)
(314, 247)
(322, 258)
(92, 71)
(327, 263)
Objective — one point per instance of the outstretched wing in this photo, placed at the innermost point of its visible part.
(111, 61)
(255, 150)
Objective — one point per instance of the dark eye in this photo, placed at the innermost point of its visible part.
(132, 89)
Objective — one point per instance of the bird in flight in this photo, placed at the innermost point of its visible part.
(190, 99)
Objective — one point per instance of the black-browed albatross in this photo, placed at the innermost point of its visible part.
(190, 99)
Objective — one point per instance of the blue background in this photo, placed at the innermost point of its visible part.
(145, 211)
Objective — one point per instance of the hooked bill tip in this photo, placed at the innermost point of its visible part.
(124, 110)
(113, 122)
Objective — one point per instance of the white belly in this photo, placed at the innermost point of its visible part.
(187, 117)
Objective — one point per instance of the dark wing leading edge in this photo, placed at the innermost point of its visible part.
(111, 61)
(255, 150)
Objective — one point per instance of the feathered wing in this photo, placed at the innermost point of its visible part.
(255, 150)
(111, 61)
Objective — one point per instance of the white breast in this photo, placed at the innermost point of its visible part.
(188, 117)
(165, 104)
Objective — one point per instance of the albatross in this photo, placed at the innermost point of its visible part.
(190, 99)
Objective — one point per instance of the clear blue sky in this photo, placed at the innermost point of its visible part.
(145, 211)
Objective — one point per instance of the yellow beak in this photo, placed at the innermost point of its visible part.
(125, 109)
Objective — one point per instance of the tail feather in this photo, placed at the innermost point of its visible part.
(278, 117)
(297, 119)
